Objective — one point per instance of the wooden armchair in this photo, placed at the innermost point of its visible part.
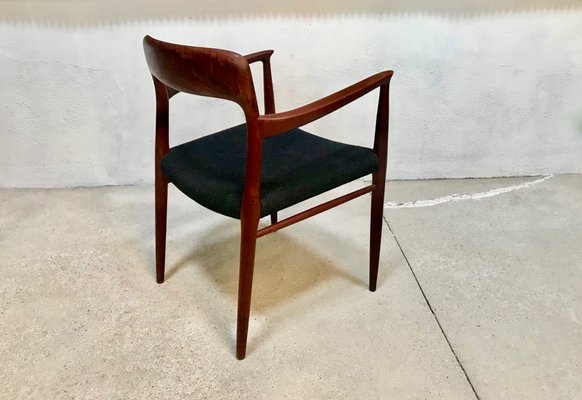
(263, 166)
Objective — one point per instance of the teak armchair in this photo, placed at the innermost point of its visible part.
(263, 166)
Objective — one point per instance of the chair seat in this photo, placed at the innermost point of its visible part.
(296, 166)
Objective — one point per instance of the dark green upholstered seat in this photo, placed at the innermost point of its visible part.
(296, 166)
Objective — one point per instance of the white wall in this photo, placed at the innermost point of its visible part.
(477, 94)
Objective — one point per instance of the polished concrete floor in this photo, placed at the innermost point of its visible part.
(479, 297)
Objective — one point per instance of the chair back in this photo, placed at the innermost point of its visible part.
(202, 71)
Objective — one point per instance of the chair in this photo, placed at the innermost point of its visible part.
(263, 166)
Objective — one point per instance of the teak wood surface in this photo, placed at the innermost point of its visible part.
(227, 75)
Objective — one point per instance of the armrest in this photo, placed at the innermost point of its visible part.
(259, 56)
(273, 124)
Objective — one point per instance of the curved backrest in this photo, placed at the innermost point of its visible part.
(202, 71)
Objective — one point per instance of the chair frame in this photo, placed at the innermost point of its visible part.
(259, 127)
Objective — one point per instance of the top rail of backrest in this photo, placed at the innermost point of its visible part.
(201, 71)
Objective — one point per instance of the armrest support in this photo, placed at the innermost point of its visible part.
(274, 124)
(265, 57)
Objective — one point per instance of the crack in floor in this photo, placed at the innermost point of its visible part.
(431, 309)
(464, 196)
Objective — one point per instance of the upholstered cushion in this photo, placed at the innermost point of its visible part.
(296, 166)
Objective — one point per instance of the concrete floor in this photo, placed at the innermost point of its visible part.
(81, 316)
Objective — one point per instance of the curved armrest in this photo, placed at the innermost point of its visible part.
(259, 56)
(273, 124)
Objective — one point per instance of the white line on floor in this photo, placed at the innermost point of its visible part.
(465, 196)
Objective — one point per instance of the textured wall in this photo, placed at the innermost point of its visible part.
(474, 94)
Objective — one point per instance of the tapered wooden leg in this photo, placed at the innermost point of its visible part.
(245, 285)
(274, 218)
(161, 220)
(378, 179)
(376, 220)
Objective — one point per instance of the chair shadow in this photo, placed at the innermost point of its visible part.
(285, 270)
